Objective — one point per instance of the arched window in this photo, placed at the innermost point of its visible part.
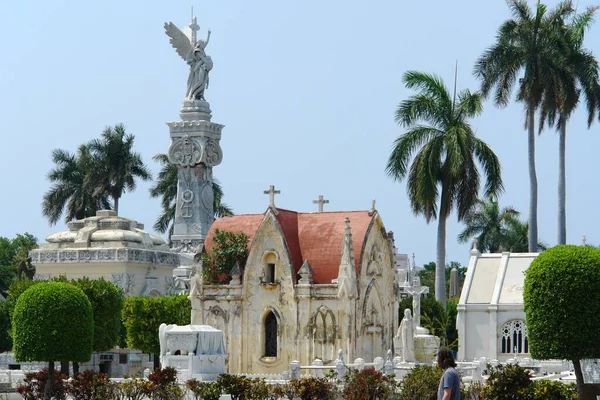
(324, 334)
(514, 337)
(270, 276)
(270, 335)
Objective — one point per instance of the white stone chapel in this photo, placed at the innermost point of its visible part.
(491, 320)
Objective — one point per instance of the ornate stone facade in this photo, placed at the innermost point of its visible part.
(111, 247)
(300, 313)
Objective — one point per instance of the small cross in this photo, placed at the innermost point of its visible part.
(193, 29)
(272, 192)
(320, 201)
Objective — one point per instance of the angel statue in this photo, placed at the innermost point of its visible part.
(192, 51)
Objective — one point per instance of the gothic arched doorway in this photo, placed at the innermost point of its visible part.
(270, 335)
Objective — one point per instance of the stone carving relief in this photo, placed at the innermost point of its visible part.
(125, 281)
(213, 154)
(375, 261)
(323, 334)
(89, 256)
(185, 151)
(170, 288)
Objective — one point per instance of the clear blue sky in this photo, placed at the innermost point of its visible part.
(307, 91)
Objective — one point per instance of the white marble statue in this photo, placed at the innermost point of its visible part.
(406, 331)
(193, 53)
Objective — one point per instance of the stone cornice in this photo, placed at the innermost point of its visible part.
(119, 255)
(195, 128)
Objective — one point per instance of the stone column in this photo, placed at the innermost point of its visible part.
(195, 150)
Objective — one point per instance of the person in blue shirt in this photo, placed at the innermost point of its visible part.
(449, 388)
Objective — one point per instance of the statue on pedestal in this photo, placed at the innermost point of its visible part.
(407, 334)
(192, 51)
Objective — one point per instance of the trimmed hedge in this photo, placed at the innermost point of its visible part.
(53, 321)
(562, 303)
(143, 315)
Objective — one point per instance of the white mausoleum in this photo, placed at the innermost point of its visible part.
(491, 320)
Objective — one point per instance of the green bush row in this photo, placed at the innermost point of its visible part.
(504, 382)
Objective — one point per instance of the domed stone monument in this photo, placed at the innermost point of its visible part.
(112, 247)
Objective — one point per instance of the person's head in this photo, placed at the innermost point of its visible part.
(445, 359)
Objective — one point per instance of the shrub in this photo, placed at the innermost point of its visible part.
(162, 385)
(552, 390)
(236, 386)
(367, 384)
(34, 384)
(90, 385)
(506, 382)
(421, 383)
(229, 248)
(473, 392)
(313, 389)
(132, 389)
(204, 390)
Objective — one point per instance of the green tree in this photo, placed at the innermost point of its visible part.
(107, 300)
(444, 169)
(579, 77)
(53, 321)
(229, 249)
(117, 165)
(143, 315)
(5, 337)
(529, 42)
(72, 193)
(165, 188)
(489, 224)
(558, 282)
(13, 253)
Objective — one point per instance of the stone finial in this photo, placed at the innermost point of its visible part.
(320, 201)
(346, 275)
(305, 273)
(106, 213)
(373, 209)
(584, 240)
(454, 282)
(474, 249)
(236, 273)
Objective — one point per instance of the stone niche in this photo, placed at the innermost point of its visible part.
(112, 247)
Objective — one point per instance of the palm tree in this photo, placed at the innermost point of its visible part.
(489, 223)
(444, 168)
(525, 42)
(118, 165)
(579, 76)
(71, 194)
(166, 188)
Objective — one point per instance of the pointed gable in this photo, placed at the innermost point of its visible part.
(316, 237)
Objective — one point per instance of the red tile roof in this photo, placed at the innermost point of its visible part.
(316, 237)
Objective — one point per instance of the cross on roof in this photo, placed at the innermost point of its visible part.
(320, 201)
(272, 192)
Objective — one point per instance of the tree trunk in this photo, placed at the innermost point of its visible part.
(75, 368)
(49, 382)
(156, 361)
(584, 391)
(64, 368)
(533, 185)
(116, 204)
(562, 186)
(440, 266)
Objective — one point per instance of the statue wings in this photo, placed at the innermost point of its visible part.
(178, 40)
